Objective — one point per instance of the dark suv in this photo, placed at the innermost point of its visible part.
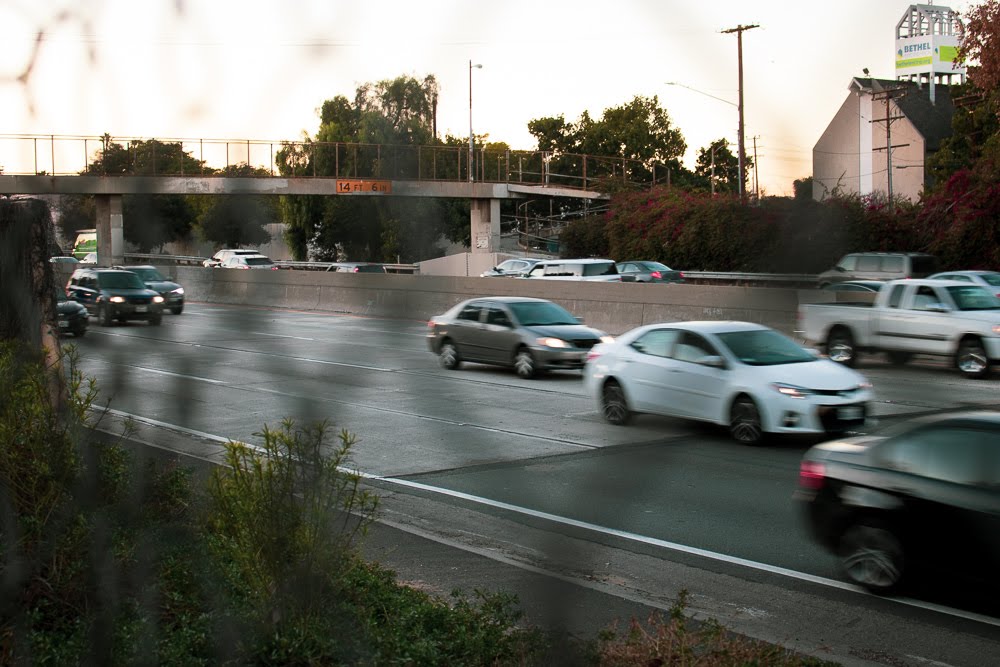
(115, 295)
(922, 498)
(172, 293)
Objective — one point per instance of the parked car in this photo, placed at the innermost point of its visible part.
(880, 266)
(747, 377)
(356, 267)
(254, 261)
(597, 270)
(216, 260)
(530, 335)
(511, 268)
(71, 317)
(115, 295)
(63, 259)
(642, 271)
(988, 279)
(869, 286)
(939, 317)
(922, 499)
(172, 293)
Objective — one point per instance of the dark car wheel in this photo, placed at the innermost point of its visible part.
(448, 356)
(971, 358)
(744, 422)
(524, 364)
(872, 556)
(840, 347)
(614, 407)
(105, 315)
(177, 310)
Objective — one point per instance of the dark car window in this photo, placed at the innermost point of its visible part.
(848, 263)
(764, 347)
(973, 297)
(600, 269)
(470, 312)
(258, 261)
(992, 279)
(123, 280)
(541, 313)
(627, 268)
(498, 316)
(924, 298)
(658, 342)
(949, 453)
(147, 274)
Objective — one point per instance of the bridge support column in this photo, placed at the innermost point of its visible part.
(485, 220)
(110, 233)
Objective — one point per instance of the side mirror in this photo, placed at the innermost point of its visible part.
(712, 360)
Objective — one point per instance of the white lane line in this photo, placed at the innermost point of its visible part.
(176, 375)
(642, 539)
(264, 333)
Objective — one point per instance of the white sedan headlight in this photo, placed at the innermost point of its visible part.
(607, 339)
(552, 342)
(791, 390)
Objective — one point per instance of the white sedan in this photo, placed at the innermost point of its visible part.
(746, 376)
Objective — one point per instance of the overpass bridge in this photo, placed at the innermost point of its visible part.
(55, 165)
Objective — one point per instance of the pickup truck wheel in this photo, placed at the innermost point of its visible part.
(971, 358)
(898, 358)
(840, 347)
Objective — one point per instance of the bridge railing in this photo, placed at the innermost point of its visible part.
(59, 155)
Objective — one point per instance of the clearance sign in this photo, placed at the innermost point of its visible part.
(357, 186)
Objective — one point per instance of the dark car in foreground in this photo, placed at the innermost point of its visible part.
(919, 501)
(172, 293)
(530, 335)
(642, 271)
(71, 316)
(115, 295)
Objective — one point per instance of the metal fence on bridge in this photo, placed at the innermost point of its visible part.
(59, 155)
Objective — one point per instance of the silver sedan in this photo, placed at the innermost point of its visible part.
(529, 335)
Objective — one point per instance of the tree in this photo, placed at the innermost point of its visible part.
(640, 131)
(726, 169)
(395, 112)
(981, 45)
(234, 221)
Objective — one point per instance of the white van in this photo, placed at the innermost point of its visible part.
(86, 242)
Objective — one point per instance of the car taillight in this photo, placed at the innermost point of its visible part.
(811, 475)
(680, 274)
(592, 354)
(431, 324)
(356, 269)
(656, 274)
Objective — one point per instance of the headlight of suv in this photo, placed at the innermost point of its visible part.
(117, 299)
(552, 342)
(791, 390)
(157, 299)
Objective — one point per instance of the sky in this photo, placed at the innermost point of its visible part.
(261, 69)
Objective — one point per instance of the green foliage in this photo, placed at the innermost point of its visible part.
(726, 169)
(274, 510)
(236, 221)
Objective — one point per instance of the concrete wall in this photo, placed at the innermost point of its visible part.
(612, 307)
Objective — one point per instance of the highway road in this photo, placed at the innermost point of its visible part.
(501, 454)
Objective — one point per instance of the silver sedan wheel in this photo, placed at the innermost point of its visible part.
(744, 422)
(524, 364)
(448, 356)
(872, 557)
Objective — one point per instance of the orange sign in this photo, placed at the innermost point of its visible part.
(351, 186)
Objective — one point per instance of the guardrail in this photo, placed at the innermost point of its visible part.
(284, 264)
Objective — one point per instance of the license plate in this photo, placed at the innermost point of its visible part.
(140, 309)
(63, 324)
(851, 412)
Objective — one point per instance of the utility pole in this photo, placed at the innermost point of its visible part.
(743, 153)
(756, 166)
(888, 94)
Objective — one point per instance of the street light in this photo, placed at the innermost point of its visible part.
(477, 66)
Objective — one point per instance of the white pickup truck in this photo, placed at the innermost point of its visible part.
(937, 317)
